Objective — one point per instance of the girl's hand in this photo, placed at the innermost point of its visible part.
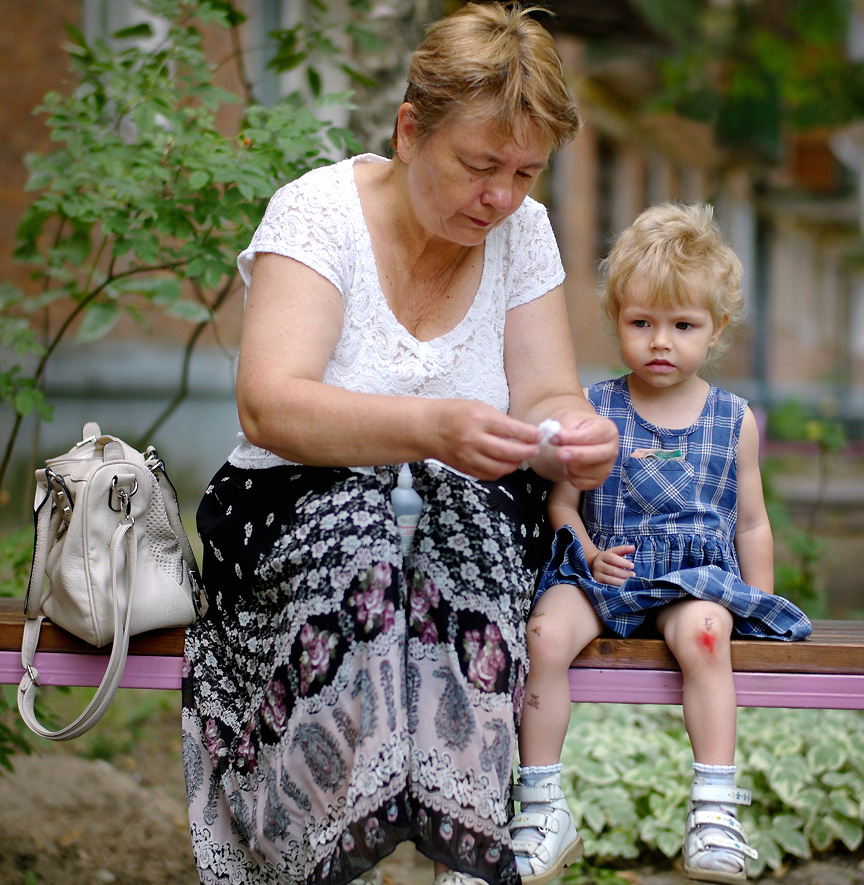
(610, 566)
(587, 449)
(476, 439)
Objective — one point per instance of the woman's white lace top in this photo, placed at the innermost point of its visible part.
(318, 220)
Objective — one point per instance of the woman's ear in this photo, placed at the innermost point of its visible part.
(718, 330)
(406, 131)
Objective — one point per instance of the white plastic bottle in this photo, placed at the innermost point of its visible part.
(407, 504)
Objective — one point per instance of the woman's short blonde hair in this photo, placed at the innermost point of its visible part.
(490, 62)
(675, 252)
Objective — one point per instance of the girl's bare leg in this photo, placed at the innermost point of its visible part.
(699, 634)
(562, 624)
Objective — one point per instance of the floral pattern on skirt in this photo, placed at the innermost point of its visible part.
(338, 701)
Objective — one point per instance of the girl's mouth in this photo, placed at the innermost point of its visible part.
(660, 365)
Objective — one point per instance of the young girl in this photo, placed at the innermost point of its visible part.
(677, 535)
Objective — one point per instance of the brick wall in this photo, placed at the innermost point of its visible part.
(32, 62)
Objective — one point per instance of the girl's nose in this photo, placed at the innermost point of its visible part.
(660, 339)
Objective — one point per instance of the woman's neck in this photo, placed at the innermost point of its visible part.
(429, 282)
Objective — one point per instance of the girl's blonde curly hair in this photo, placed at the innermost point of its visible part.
(677, 253)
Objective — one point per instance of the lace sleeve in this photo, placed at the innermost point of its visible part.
(535, 262)
(307, 220)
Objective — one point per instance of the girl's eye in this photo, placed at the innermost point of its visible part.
(682, 326)
(640, 324)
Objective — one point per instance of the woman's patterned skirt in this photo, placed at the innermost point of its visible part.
(338, 701)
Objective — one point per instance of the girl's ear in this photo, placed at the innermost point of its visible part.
(718, 330)
(406, 132)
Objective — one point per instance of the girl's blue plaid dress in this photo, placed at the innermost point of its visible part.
(674, 495)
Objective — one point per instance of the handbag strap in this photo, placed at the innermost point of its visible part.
(123, 535)
(47, 520)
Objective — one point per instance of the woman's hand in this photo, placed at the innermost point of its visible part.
(477, 439)
(586, 447)
(610, 566)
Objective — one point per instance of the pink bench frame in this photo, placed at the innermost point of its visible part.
(587, 684)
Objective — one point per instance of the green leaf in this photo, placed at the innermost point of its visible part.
(787, 777)
(821, 836)
(669, 843)
(787, 832)
(191, 311)
(141, 31)
(824, 757)
(850, 832)
(199, 178)
(99, 319)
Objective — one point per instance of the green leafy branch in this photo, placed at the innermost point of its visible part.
(149, 195)
(754, 73)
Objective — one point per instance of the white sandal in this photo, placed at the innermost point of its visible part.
(543, 831)
(454, 877)
(701, 836)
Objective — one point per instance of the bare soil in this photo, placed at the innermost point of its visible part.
(66, 819)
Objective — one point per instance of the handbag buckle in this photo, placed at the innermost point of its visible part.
(60, 492)
(123, 496)
(33, 673)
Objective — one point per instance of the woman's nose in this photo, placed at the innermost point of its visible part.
(499, 195)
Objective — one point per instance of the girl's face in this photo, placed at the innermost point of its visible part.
(466, 178)
(663, 346)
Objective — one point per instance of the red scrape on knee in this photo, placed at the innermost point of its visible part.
(707, 639)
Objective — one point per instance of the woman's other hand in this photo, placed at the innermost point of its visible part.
(476, 439)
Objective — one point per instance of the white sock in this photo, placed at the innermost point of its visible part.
(718, 776)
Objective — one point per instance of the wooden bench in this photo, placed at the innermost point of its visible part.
(825, 671)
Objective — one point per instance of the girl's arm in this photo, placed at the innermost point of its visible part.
(754, 542)
(607, 566)
(540, 362)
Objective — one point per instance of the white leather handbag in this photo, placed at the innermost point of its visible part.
(110, 560)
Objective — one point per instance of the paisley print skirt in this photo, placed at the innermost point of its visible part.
(338, 701)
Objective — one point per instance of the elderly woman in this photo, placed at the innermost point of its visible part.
(341, 699)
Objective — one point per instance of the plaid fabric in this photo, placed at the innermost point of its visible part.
(678, 507)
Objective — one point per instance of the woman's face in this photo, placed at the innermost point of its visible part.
(466, 177)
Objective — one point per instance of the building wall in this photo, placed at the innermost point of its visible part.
(31, 63)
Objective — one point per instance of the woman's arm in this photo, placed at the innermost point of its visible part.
(291, 325)
(753, 539)
(541, 370)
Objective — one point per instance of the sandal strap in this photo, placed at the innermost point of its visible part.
(711, 841)
(702, 818)
(543, 793)
(536, 819)
(713, 793)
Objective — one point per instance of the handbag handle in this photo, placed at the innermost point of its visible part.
(96, 709)
(47, 519)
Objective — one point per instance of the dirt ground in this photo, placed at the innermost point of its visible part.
(70, 820)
